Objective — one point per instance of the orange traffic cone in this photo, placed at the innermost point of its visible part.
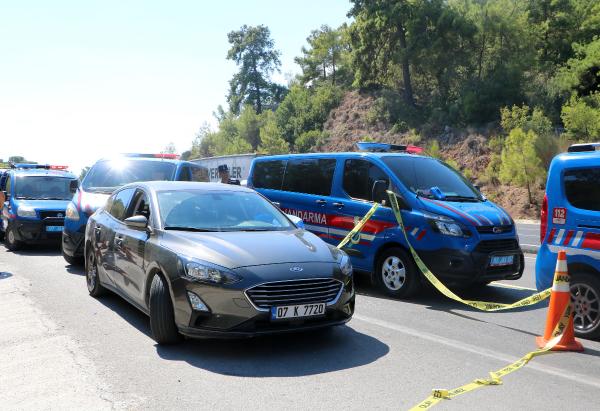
(559, 299)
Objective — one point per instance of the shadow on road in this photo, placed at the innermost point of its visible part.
(29, 250)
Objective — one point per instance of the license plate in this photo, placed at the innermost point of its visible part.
(297, 311)
(500, 260)
(54, 228)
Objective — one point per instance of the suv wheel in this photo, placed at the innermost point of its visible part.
(11, 239)
(397, 274)
(71, 260)
(585, 295)
(162, 316)
(91, 276)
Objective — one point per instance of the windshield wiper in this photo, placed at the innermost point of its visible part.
(462, 198)
(194, 229)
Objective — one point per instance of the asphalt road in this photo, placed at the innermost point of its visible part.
(529, 236)
(388, 357)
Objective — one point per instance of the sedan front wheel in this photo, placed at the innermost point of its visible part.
(91, 276)
(162, 315)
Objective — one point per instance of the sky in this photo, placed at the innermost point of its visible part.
(81, 80)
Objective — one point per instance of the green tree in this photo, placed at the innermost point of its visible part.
(253, 50)
(248, 125)
(520, 162)
(170, 148)
(83, 172)
(581, 116)
(17, 159)
(271, 141)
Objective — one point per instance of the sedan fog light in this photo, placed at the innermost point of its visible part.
(196, 302)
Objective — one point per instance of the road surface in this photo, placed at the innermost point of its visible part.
(529, 236)
(60, 348)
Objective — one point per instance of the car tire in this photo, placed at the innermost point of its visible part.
(585, 295)
(71, 260)
(10, 239)
(92, 278)
(396, 273)
(162, 316)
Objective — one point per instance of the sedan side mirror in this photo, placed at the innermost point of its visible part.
(297, 221)
(73, 186)
(137, 221)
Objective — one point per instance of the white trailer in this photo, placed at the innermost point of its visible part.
(238, 165)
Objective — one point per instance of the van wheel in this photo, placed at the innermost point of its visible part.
(585, 295)
(91, 276)
(162, 317)
(11, 239)
(396, 273)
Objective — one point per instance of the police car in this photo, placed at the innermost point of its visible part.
(570, 221)
(34, 201)
(464, 238)
(105, 176)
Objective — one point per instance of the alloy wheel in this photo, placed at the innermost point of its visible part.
(586, 303)
(393, 273)
(91, 273)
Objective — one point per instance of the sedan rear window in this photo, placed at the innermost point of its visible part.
(582, 188)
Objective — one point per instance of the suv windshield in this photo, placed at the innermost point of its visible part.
(197, 210)
(43, 188)
(432, 178)
(107, 175)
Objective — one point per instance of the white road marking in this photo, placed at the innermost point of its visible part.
(481, 351)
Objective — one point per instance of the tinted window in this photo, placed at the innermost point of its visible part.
(359, 177)
(43, 188)
(184, 174)
(200, 174)
(310, 176)
(141, 205)
(107, 175)
(420, 174)
(8, 185)
(268, 174)
(582, 188)
(120, 202)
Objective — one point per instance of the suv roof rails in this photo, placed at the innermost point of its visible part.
(579, 148)
(386, 148)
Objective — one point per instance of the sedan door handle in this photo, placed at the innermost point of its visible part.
(321, 202)
(118, 241)
(338, 205)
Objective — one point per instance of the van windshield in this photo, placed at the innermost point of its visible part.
(43, 188)
(107, 175)
(431, 178)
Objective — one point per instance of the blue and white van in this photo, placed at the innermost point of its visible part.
(570, 221)
(464, 238)
(33, 200)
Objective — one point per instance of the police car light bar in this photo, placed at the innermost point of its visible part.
(58, 167)
(385, 148)
(37, 166)
(579, 148)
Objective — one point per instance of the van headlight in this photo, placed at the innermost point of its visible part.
(71, 212)
(205, 272)
(26, 211)
(446, 225)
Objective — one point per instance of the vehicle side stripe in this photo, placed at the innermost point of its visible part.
(575, 251)
(568, 237)
(577, 239)
(591, 241)
(487, 220)
(475, 222)
(415, 231)
(421, 235)
(559, 236)
(551, 235)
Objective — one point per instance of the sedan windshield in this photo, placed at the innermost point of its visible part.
(198, 210)
(43, 188)
(107, 175)
(432, 178)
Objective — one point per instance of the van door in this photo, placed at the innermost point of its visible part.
(306, 192)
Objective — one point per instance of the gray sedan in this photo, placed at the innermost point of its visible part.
(217, 260)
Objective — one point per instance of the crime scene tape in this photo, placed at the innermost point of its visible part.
(496, 376)
(480, 305)
(350, 236)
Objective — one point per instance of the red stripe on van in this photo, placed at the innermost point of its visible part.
(421, 235)
(591, 241)
(474, 222)
(568, 237)
(551, 235)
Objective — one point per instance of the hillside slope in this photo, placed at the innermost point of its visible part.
(350, 122)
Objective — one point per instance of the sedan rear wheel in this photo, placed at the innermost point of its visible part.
(162, 316)
(585, 295)
(91, 276)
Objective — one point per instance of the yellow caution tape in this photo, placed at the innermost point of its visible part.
(357, 228)
(480, 305)
(496, 376)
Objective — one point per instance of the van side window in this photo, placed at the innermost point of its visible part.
(8, 185)
(582, 187)
(310, 176)
(184, 174)
(268, 174)
(200, 174)
(359, 177)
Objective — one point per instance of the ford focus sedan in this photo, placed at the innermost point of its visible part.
(218, 260)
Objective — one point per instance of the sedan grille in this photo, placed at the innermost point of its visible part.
(312, 290)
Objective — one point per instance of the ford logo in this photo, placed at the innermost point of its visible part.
(296, 269)
(59, 215)
(497, 230)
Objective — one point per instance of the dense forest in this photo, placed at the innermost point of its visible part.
(525, 71)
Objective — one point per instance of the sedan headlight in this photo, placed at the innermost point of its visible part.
(26, 211)
(206, 272)
(446, 225)
(345, 264)
(72, 213)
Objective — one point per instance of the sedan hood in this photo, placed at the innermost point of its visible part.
(246, 248)
(475, 214)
